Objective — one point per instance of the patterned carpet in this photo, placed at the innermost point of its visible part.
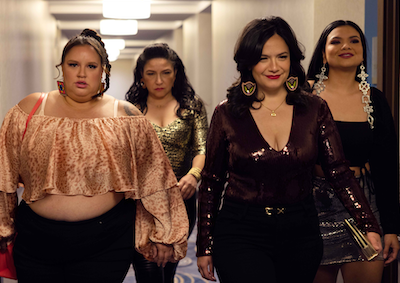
(187, 268)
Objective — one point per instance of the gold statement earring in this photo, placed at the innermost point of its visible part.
(248, 88)
(292, 83)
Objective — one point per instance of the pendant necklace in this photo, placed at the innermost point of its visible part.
(273, 113)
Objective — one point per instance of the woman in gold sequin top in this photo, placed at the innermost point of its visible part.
(163, 93)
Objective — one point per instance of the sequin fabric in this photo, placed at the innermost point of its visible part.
(339, 246)
(240, 163)
(183, 139)
(90, 157)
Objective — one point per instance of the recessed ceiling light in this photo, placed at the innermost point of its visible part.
(126, 9)
(118, 27)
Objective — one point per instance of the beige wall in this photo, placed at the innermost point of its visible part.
(174, 39)
(197, 55)
(28, 46)
(121, 78)
(328, 11)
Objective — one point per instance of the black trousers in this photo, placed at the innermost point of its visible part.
(147, 271)
(95, 250)
(252, 246)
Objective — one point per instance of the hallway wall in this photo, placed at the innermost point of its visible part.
(28, 35)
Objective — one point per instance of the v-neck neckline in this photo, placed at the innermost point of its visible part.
(166, 126)
(262, 137)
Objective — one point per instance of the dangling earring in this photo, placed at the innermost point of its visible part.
(102, 87)
(320, 86)
(364, 87)
(248, 88)
(292, 83)
(61, 88)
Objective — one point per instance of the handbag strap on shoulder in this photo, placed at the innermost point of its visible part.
(33, 112)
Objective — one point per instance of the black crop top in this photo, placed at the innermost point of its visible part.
(357, 140)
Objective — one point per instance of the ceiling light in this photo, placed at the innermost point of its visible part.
(126, 9)
(114, 43)
(118, 27)
(113, 54)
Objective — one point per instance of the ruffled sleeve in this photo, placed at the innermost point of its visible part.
(213, 180)
(161, 214)
(10, 145)
(337, 172)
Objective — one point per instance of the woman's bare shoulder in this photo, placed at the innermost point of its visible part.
(126, 108)
(29, 101)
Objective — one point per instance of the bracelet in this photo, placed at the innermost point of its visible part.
(196, 172)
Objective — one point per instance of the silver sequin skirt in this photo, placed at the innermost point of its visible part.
(338, 244)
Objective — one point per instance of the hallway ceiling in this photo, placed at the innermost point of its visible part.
(74, 15)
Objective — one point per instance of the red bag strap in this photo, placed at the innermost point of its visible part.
(33, 112)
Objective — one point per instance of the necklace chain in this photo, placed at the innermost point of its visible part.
(273, 113)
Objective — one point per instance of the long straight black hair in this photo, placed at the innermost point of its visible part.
(317, 58)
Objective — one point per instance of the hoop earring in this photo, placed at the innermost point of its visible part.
(61, 88)
(364, 87)
(320, 86)
(248, 88)
(292, 83)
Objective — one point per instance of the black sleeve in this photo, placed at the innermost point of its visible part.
(384, 164)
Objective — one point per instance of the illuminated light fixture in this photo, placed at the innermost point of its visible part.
(118, 27)
(114, 44)
(113, 54)
(126, 9)
(113, 47)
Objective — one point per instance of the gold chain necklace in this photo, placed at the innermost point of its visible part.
(273, 114)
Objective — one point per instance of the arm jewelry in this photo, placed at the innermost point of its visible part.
(196, 172)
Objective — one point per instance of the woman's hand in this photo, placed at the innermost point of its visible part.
(162, 254)
(4, 243)
(187, 185)
(206, 267)
(375, 240)
(391, 248)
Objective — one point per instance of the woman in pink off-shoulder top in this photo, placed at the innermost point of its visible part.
(90, 165)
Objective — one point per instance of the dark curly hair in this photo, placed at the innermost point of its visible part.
(248, 51)
(92, 38)
(182, 90)
(317, 59)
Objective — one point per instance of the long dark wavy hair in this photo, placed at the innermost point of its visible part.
(182, 90)
(92, 38)
(317, 59)
(248, 51)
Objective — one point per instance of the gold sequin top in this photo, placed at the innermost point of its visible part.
(183, 139)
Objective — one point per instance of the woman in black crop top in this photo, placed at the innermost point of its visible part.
(262, 146)
(366, 128)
